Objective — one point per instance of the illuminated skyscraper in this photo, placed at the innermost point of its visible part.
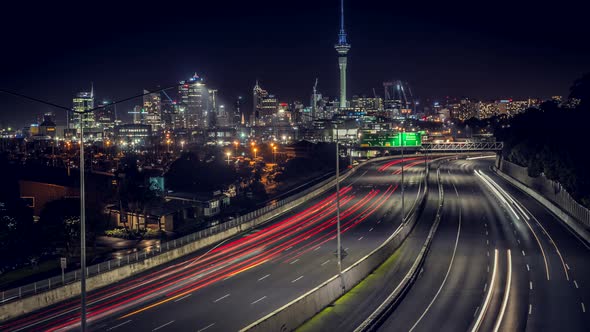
(194, 96)
(152, 108)
(265, 106)
(342, 48)
(83, 101)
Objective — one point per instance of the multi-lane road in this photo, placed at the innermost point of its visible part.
(499, 262)
(227, 287)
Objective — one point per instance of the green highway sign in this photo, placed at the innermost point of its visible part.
(392, 140)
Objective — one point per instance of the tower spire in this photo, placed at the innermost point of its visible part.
(342, 47)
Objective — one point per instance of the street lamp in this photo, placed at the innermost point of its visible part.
(228, 154)
(274, 154)
(255, 150)
(182, 145)
(236, 144)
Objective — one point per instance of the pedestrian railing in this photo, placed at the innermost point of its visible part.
(156, 249)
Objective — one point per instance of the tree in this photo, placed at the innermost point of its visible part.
(60, 225)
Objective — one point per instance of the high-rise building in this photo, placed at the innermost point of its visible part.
(105, 117)
(152, 108)
(265, 106)
(239, 117)
(342, 47)
(194, 96)
(83, 101)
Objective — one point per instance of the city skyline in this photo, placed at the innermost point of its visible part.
(391, 42)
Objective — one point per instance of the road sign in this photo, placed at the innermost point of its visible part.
(64, 262)
(392, 140)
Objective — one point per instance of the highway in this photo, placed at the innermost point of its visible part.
(499, 261)
(226, 287)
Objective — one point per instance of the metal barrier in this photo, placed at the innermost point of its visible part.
(551, 190)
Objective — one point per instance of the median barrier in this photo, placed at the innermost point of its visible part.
(296, 312)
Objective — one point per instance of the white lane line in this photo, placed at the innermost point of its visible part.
(530, 285)
(317, 248)
(506, 293)
(221, 298)
(528, 268)
(485, 287)
(488, 242)
(295, 261)
(266, 276)
(326, 262)
(206, 327)
(292, 281)
(576, 284)
(447, 274)
(486, 233)
(583, 307)
(119, 325)
(568, 267)
(530, 309)
(475, 313)
(288, 248)
(182, 298)
(488, 269)
(162, 326)
(486, 302)
(523, 253)
(360, 238)
(488, 253)
(260, 299)
(518, 241)
(370, 229)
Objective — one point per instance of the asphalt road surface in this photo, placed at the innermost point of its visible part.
(229, 286)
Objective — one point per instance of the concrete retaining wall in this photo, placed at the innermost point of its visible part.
(295, 313)
(572, 223)
(35, 302)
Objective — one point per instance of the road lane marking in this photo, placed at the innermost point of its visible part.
(206, 327)
(528, 268)
(292, 281)
(568, 267)
(182, 298)
(486, 302)
(475, 313)
(488, 253)
(583, 307)
(523, 253)
(260, 299)
(316, 248)
(266, 276)
(370, 229)
(530, 309)
(295, 261)
(506, 293)
(360, 238)
(485, 287)
(530, 285)
(446, 276)
(518, 241)
(326, 262)
(288, 248)
(162, 326)
(221, 298)
(488, 269)
(488, 242)
(119, 325)
(576, 284)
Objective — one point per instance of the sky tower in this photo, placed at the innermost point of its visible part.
(342, 48)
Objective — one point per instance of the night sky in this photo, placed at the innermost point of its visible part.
(481, 49)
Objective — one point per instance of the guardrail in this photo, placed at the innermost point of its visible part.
(296, 312)
(378, 316)
(10, 295)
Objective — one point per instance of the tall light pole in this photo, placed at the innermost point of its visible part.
(255, 150)
(338, 245)
(236, 143)
(228, 154)
(402, 144)
(82, 230)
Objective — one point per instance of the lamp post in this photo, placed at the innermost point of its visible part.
(255, 150)
(338, 244)
(236, 144)
(402, 134)
(82, 230)
(228, 154)
(274, 154)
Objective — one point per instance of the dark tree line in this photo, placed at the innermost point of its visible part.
(552, 140)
